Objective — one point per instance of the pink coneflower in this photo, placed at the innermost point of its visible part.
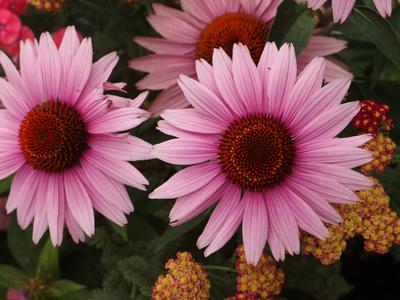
(262, 141)
(202, 26)
(58, 133)
(342, 8)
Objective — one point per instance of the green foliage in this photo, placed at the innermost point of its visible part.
(305, 273)
(378, 31)
(294, 24)
(11, 277)
(122, 263)
(48, 262)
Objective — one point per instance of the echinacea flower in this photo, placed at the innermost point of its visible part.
(341, 8)
(261, 142)
(204, 25)
(10, 26)
(62, 137)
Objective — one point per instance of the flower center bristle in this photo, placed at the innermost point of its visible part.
(53, 136)
(233, 28)
(257, 152)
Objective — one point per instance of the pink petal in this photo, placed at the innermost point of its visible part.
(255, 226)
(121, 147)
(282, 223)
(121, 171)
(187, 181)
(78, 201)
(10, 163)
(185, 152)
(162, 46)
(170, 98)
(198, 200)
(192, 120)
(118, 120)
(225, 207)
(55, 205)
(203, 99)
(246, 78)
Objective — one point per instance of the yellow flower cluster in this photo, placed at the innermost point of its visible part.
(263, 281)
(49, 5)
(382, 148)
(185, 280)
(371, 217)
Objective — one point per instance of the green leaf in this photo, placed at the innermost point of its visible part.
(293, 24)
(48, 262)
(5, 185)
(11, 277)
(77, 295)
(121, 230)
(378, 31)
(173, 233)
(21, 246)
(305, 273)
(63, 287)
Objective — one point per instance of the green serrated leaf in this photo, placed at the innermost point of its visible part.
(62, 287)
(305, 273)
(48, 262)
(11, 277)
(293, 24)
(121, 230)
(378, 31)
(22, 248)
(173, 233)
(5, 185)
(77, 295)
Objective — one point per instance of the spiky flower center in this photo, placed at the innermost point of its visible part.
(53, 136)
(233, 28)
(257, 152)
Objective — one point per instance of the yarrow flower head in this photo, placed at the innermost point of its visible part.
(342, 8)
(373, 117)
(371, 217)
(204, 25)
(383, 149)
(49, 5)
(62, 137)
(185, 280)
(262, 140)
(263, 281)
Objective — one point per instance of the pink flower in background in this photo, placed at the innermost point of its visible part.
(62, 137)
(59, 34)
(13, 294)
(13, 49)
(262, 143)
(4, 218)
(18, 7)
(342, 8)
(10, 27)
(204, 25)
